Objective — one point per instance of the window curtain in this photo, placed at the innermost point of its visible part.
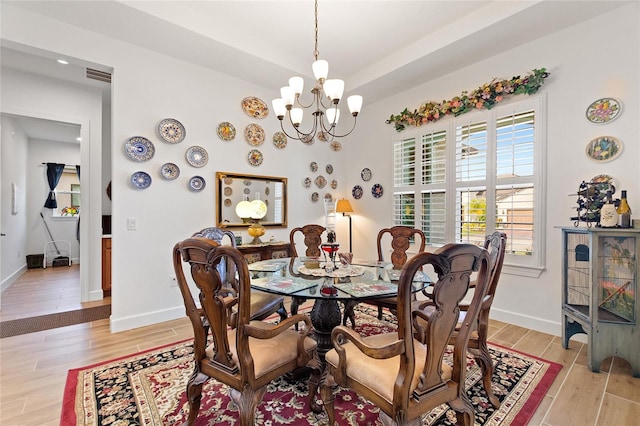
(54, 171)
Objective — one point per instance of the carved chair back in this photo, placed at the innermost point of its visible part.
(312, 239)
(400, 242)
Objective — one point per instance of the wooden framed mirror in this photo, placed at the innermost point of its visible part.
(232, 188)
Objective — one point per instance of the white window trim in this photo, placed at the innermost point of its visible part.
(513, 264)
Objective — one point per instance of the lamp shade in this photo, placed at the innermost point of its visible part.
(258, 209)
(343, 206)
(243, 209)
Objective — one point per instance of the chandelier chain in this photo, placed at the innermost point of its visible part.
(316, 52)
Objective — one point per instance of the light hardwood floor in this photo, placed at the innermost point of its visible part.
(34, 367)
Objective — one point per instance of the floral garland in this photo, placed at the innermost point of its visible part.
(484, 97)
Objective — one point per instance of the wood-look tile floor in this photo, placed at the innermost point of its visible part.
(34, 368)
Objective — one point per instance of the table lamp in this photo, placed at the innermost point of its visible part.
(258, 211)
(344, 206)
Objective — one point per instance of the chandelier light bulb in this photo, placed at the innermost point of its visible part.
(333, 115)
(288, 96)
(355, 104)
(334, 88)
(279, 108)
(320, 70)
(296, 84)
(296, 116)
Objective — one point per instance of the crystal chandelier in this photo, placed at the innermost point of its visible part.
(325, 117)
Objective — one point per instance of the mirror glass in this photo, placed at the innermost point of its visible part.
(232, 188)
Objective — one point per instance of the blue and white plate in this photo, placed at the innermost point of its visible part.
(357, 192)
(376, 190)
(197, 156)
(139, 148)
(169, 171)
(140, 180)
(171, 130)
(197, 183)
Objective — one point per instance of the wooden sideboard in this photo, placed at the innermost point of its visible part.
(256, 252)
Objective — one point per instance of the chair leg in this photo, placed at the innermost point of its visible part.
(349, 313)
(464, 411)
(295, 302)
(247, 401)
(282, 311)
(326, 392)
(379, 312)
(483, 358)
(314, 382)
(194, 394)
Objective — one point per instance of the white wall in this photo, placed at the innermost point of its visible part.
(148, 87)
(62, 228)
(14, 243)
(610, 68)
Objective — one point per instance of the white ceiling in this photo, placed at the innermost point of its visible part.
(378, 47)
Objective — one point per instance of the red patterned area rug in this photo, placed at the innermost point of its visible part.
(148, 388)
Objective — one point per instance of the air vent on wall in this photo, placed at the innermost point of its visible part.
(98, 75)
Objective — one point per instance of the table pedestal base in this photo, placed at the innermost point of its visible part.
(325, 316)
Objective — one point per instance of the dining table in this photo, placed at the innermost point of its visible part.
(329, 283)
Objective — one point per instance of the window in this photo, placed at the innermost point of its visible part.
(68, 194)
(462, 179)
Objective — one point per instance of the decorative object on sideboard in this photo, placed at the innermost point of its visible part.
(624, 211)
(608, 213)
(324, 88)
(591, 196)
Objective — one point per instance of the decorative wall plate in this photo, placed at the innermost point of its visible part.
(228, 181)
(334, 184)
(335, 146)
(603, 148)
(315, 196)
(267, 191)
(140, 180)
(254, 157)
(139, 148)
(171, 130)
(197, 156)
(307, 182)
(228, 191)
(255, 107)
(246, 191)
(197, 183)
(226, 131)
(227, 202)
(605, 179)
(329, 169)
(604, 110)
(254, 134)
(320, 181)
(376, 190)
(357, 192)
(365, 174)
(313, 166)
(279, 140)
(328, 197)
(169, 171)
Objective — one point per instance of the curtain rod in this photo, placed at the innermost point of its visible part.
(66, 165)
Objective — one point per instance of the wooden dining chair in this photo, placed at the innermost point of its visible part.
(228, 346)
(495, 244)
(403, 376)
(262, 304)
(312, 239)
(399, 244)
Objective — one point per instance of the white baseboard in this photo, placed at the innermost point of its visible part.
(6, 283)
(144, 319)
(539, 324)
